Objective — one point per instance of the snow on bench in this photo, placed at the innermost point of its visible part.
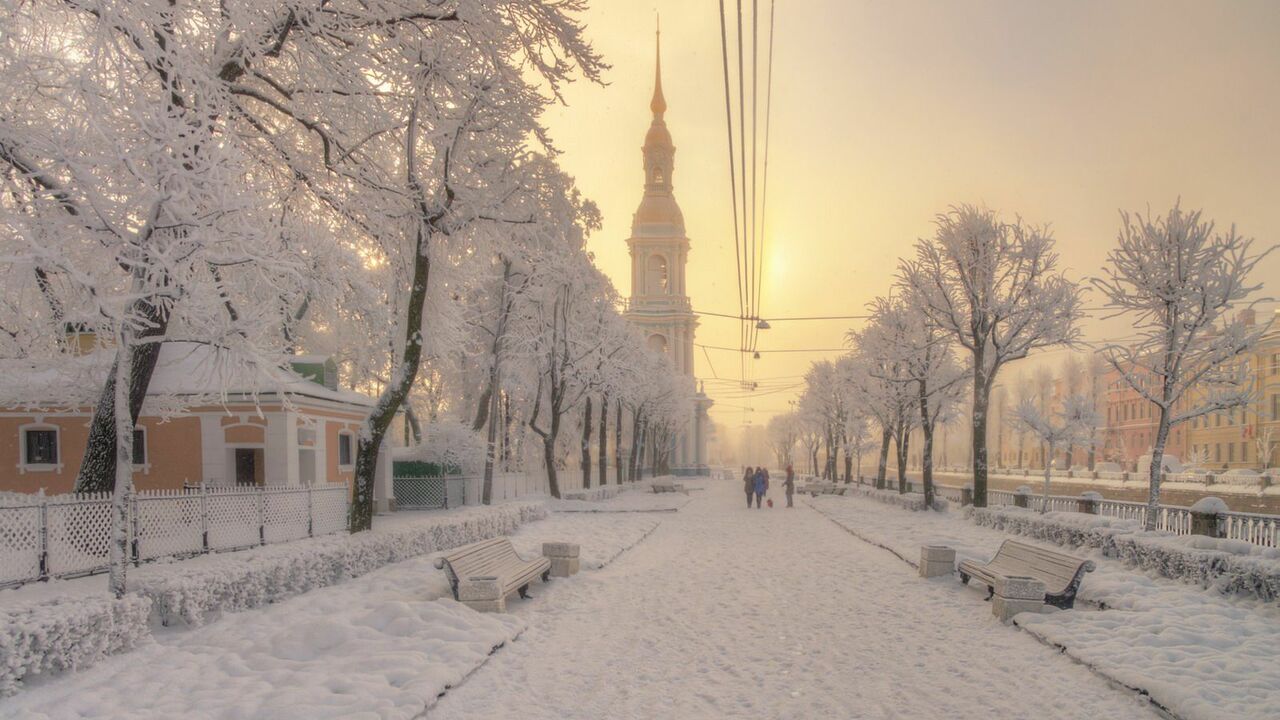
(483, 574)
(1060, 573)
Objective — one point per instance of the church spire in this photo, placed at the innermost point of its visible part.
(659, 104)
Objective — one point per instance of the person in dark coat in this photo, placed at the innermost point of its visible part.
(760, 485)
(749, 483)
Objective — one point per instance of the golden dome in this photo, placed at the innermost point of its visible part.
(658, 209)
(658, 136)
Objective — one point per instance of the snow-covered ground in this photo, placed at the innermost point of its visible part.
(1203, 655)
(714, 611)
(383, 645)
(726, 612)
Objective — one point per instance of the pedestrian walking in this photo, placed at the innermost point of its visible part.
(789, 485)
(749, 483)
(761, 485)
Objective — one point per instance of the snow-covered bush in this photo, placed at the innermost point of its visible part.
(191, 591)
(68, 633)
(910, 501)
(447, 443)
(1233, 567)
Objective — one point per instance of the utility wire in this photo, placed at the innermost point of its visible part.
(742, 169)
(764, 194)
(733, 174)
(787, 350)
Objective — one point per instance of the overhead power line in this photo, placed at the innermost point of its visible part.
(786, 350)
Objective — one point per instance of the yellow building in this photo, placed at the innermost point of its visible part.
(1246, 437)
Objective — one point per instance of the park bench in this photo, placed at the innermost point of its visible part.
(483, 574)
(667, 486)
(1060, 573)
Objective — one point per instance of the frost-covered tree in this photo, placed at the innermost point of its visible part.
(995, 287)
(1179, 279)
(783, 432)
(1056, 426)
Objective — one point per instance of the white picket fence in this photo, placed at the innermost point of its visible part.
(60, 536)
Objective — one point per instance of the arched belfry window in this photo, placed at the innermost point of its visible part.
(656, 276)
(658, 176)
(658, 342)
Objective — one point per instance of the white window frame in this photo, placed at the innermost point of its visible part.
(145, 466)
(352, 464)
(23, 465)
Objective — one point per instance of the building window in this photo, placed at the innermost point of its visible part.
(1217, 452)
(40, 446)
(1244, 452)
(345, 449)
(657, 282)
(1231, 452)
(139, 446)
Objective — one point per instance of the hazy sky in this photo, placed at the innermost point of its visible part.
(885, 113)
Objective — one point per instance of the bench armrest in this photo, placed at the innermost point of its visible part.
(439, 563)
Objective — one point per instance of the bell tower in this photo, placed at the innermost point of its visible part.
(659, 304)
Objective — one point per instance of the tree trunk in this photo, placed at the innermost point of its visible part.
(637, 429)
(98, 467)
(1044, 504)
(886, 435)
(121, 500)
(604, 440)
(406, 372)
(617, 441)
(981, 396)
(848, 465)
(901, 442)
(644, 439)
(491, 451)
(1157, 465)
(926, 455)
(587, 427)
(549, 458)
(415, 427)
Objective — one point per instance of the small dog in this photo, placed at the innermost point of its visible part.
(769, 502)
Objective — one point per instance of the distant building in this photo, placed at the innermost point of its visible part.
(1246, 437)
(207, 420)
(659, 304)
(1131, 424)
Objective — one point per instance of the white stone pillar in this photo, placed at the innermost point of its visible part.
(213, 451)
(322, 453)
(282, 449)
(382, 480)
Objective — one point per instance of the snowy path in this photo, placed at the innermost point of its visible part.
(725, 612)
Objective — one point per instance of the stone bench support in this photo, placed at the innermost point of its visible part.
(482, 594)
(563, 557)
(1015, 595)
(936, 560)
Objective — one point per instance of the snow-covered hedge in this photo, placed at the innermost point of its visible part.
(910, 501)
(190, 591)
(70, 632)
(596, 494)
(1232, 567)
(76, 631)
